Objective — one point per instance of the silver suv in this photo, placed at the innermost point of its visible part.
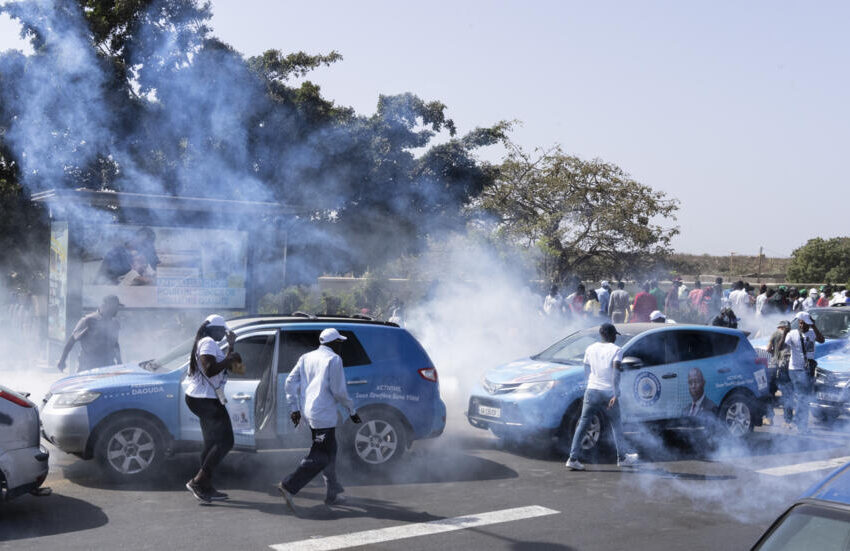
(23, 462)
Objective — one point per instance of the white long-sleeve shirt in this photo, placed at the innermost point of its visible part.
(316, 385)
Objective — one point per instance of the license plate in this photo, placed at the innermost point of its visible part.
(489, 412)
(829, 396)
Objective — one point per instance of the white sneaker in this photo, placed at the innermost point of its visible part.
(574, 464)
(628, 460)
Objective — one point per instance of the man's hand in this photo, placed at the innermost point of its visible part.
(296, 417)
(61, 365)
(612, 401)
(231, 339)
(356, 419)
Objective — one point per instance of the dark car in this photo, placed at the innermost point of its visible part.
(819, 520)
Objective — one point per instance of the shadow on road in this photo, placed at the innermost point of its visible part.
(261, 471)
(29, 516)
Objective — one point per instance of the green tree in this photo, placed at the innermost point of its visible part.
(821, 260)
(589, 218)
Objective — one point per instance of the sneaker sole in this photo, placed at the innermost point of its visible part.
(286, 498)
(198, 496)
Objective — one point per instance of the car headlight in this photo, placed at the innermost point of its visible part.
(74, 399)
(536, 388)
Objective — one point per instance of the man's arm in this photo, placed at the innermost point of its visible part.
(292, 387)
(338, 386)
(79, 331)
(818, 335)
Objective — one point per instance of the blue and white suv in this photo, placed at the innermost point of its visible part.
(130, 417)
(674, 375)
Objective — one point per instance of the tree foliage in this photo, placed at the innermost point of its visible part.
(588, 218)
(175, 110)
(821, 260)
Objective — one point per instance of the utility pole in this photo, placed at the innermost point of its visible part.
(761, 256)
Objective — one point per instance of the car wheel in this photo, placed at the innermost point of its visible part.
(738, 415)
(825, 417)
(130, 448)
(593, 439)
(380, 440)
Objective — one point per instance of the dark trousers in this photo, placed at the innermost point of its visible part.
(216, 428)
(321, 459)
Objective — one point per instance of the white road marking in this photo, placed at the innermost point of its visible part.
(810, 466)
(370, 537)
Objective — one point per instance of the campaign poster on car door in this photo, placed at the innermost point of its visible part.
(163, 267)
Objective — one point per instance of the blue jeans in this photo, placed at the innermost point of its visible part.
(803, 386)
(787, 400)
(597, 401)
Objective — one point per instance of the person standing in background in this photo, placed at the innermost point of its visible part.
(592, 307)
(603, 295)
(97, 334)
(644, 305)
(660, 296)
(618, 304)
(716, 303)
(553, 304)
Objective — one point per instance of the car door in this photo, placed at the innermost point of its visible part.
(702, 370)
(258, 355)
(648, 385)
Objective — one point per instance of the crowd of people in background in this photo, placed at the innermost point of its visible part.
(703, 304)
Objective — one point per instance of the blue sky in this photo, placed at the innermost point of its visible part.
(739, 110)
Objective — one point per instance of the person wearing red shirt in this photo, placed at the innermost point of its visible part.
(644, 305)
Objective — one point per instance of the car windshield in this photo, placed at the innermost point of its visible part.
(172, 360)
(834, 324)
(570, 350)
(810, 527)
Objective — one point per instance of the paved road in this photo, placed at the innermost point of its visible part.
(438, 499)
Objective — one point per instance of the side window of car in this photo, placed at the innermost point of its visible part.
(651, 349)
(257, 354)
(296, 343)
(723, 344)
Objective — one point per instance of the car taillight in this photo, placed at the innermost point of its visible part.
(429, 374)
(15, 399)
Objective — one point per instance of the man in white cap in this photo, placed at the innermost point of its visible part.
(657, 316)
(801, 344)
(812, 300)
(315, 387)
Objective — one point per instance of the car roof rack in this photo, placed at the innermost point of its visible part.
(300, 314)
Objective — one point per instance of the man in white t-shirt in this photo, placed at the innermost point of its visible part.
(739, 299)
(801, 343)
(602, 365)
(553, 304)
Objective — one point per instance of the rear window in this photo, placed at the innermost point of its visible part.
(698, 345)
(295, 343)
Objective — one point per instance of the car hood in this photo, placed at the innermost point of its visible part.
(106, 377)
(826, 348)
(529, 370)
(837, 362)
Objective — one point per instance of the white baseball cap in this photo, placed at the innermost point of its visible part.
(215, 321)
(813, 292)
(656, 314)
(804, 317)
(330, 335)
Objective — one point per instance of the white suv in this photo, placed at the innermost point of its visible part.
(23, 462)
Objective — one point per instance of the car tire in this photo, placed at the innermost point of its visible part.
(130, 448)
(379, 441)
(738, 415)
(825, 417)
(592, 443)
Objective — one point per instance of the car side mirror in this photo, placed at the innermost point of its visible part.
(631, 362)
